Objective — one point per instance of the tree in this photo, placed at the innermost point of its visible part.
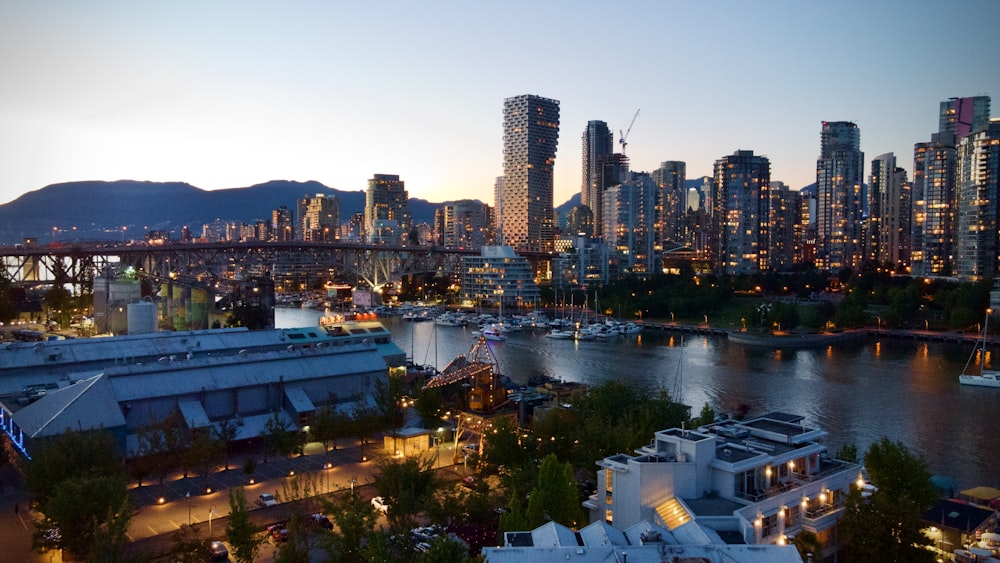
(242, 535)
(407, 485)
(388, 396)
(555, 496)
(445, 550)
(278, 437)
(78, 482)
(886, 526)
(807, 544)
(355, 520)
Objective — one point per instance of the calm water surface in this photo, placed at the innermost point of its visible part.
(907, 391)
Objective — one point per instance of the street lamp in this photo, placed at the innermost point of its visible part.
(211, 512)
(354, 481)
(187, 495)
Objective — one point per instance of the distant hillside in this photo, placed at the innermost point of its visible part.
(99, 210)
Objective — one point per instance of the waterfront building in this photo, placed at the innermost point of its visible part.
(319, 218)
(387, 210)
(933, 205)
(887, 231)
(525, 197)
(644, 542)
(597, 142)
(978, 187)
(282, 224)
(741, 216)
(756, 482)
(628, 226)
(671, 204)
(213, 377)
(582, 260)
(464, 224)
(497, 275)
(785, 210)
(839, 192)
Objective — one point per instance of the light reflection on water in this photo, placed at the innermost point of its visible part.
(905, 390)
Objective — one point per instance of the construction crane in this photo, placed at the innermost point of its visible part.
(622, 137)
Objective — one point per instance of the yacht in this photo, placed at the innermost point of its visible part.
(983, 377)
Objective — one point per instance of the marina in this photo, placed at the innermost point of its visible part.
(860, 391)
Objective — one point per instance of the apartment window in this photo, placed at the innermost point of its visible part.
(609, 516)
(609, 479)
(769, 526)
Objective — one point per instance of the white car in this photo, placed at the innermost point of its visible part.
(266, 499)
(380, 504)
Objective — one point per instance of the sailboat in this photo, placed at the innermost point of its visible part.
(985, 377)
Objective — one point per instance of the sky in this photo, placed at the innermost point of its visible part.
(225, 94)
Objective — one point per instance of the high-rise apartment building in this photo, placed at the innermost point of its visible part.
(887, 231)
(387, 211)
(978, 187)
(597, 142)
(580, 221)
(465, 224)
(282, 224)
(319, 218)
(671, 203)
(525, 202)
(741, 216)
(839, 193)
(628, 225)
(785, 217)
(962, 116)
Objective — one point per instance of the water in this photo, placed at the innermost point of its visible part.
(905, 390)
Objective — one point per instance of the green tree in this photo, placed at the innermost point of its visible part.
(407, 485)
(807, 545)
(847, 452)
(78, 482)
(242, 535)
(555, 496)
(186, 546)
(279, 437)
(388, 395)
(355, 521)
(8, 306)
(445, 550)
(886, 525)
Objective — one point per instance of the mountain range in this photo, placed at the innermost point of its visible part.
(97, 210)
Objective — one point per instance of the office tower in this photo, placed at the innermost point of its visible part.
(530, 138)
(319, 218)
(978, 187)
(740, 216)
(282, 225)
(597, 142)
(839, 192)
(785, 216)
(465, 224)
(628, 225)
(671, 203)
(387, 212)
(889, 211)
(961, 116)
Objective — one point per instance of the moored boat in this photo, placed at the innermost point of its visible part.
(984, 377)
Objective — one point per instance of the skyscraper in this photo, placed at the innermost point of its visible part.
(387, 210)
(597, 142)
(629, 210)
(319, 218)
(671, 203)
(962, 116)
(740, 216)
(839, 192)
(282, 224)
(525, 202)
(465, 224)
(889, 212)
(978, 187)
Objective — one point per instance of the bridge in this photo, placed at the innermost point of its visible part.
(80, 264)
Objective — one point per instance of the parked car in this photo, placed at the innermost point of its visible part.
(380, 505)
(321, 520)
(217, 551)
(278, 531)
(266, 499)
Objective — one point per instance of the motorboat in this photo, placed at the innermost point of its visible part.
(982, 377)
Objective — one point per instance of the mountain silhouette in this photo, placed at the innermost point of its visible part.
(97, 210)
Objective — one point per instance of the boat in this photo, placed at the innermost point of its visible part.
(494, 333)
(985, 377)
(559, 334)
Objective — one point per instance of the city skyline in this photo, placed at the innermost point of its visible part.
(228, 95)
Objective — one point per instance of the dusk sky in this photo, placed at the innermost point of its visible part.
(229, 94)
